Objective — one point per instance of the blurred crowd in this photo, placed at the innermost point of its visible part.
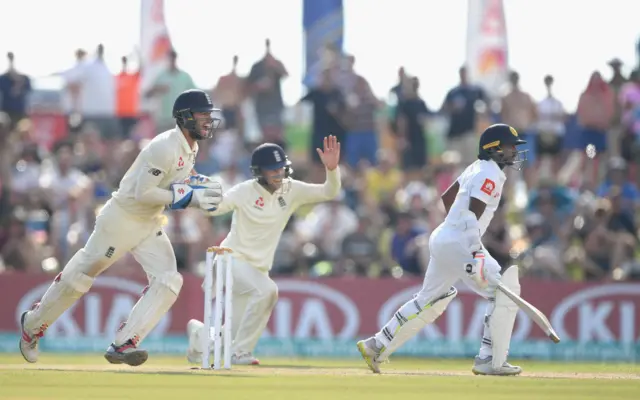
(571, 214)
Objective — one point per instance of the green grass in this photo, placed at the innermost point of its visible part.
(90, 377)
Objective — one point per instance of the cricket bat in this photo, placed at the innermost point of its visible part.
(536, 315)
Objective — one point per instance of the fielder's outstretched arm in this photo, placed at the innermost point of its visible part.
(313, 193)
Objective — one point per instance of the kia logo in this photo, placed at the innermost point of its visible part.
(592, 318)
(316, 290)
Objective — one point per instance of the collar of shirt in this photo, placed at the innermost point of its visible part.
(183, 141)
(494, 165)
(261, 189)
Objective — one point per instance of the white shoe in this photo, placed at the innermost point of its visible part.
(244, 358)
(482, 366)
(194, 355)
(28, 342)
(370, 353)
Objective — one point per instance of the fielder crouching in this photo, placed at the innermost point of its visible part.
(457, 253)
(261, 209)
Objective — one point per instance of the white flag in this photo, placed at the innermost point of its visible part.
(155, 45)
(487, 48)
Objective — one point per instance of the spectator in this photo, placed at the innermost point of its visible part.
(550, 130)
(229, 93)
(382, 183)
(264, 82)
(616, 179)
(595, 112)
(166, 89)
(359, 251)
(19, 252)
(412, 114)
(127, 108)
(362, 137)
(519, 110)
(404, 245)
(629, 99)
(94, 90)
(70, 193)
(327, 225)
(461, 105)
(14, 91)
(616, 83)
(328, 116)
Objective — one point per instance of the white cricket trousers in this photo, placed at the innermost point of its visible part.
(254, 296)
(116, 233)
(449, 254)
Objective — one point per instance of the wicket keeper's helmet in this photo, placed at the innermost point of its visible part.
(498, 143)
(269, 156)
(196, 101)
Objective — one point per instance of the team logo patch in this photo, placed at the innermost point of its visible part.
(155, 171)
(180, 162)
(276, 155)
(281, 201)
(488, 186)
(513, 131)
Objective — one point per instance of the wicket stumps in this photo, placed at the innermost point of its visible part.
(224, 287)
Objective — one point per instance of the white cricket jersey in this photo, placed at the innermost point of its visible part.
(259, 217)
(484, 181)
(167, 159)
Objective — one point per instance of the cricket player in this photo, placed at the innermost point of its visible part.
(131, 221)
(261, 208)
(457, 253)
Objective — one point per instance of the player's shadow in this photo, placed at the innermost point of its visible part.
(191, 372)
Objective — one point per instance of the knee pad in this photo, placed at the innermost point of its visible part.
(172, 280)
(503, 317)
(76, 280)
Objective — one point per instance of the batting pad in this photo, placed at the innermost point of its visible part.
(152, 306)
(409, 320)
(65, 290)
(503, 318)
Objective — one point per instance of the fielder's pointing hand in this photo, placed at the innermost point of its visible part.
(330, 157)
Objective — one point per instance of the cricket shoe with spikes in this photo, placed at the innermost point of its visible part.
(482, 366)
(28, 341)
(244, 358)
(370, 352)
(127, 353)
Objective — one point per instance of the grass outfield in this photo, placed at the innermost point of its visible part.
(89, 377)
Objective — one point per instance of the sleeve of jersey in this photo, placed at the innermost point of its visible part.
(230, 201)
(483, 186)
(156, 162)
(304, 193)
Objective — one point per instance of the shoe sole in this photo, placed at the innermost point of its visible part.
(476, 372)
(132, 359)
(22, 317)
(367, 359)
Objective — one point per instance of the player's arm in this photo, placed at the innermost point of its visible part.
(449, 195)
(481, 189)
(314, 193)
(156, 164)
(230, 201)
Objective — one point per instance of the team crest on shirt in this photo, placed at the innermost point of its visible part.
(259, 204)
(180, 163)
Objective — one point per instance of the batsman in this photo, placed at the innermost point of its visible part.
(457, 253)
(161, 177)
(261, 208)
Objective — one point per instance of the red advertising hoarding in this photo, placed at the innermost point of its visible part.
(344, 308)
